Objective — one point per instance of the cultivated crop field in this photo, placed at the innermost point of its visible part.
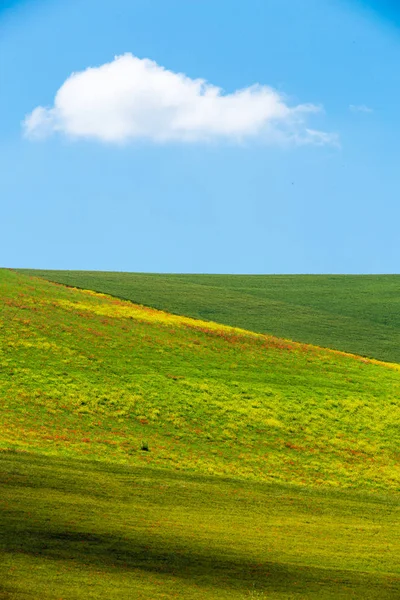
(149, 455)
(354, 313)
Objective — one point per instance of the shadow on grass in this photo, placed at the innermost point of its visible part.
(206, 567)
(42, 498)
(219, 568)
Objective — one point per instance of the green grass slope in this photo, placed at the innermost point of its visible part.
(87, 374)
(359, 314)
(77, 530)
(271, 469)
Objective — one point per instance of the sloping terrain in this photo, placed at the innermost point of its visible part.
(359, 314)
(87, 374)
(76, 530)
(147, 455)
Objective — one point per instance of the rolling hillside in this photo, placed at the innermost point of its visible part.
(87, 374)
(147, 455)
(359, 314)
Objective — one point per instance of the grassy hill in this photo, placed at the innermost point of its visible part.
(359, 314)
(147, 455)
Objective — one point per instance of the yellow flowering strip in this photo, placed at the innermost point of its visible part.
(120, 309)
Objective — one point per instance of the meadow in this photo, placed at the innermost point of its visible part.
(358, 314)
(74, 529)
(149, 455)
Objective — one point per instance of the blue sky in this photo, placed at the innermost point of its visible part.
(271, 198)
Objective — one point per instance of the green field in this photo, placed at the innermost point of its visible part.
(146, 455)
(359, 314)
(77, 530)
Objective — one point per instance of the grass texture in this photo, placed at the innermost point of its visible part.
(148, 455)
(358, 314)
(75, 530)
(90, 375)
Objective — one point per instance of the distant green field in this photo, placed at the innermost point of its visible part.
(150, 456)
(359, 314)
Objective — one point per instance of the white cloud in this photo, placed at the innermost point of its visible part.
(320, 138)
(131, 98)
(360, 108)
